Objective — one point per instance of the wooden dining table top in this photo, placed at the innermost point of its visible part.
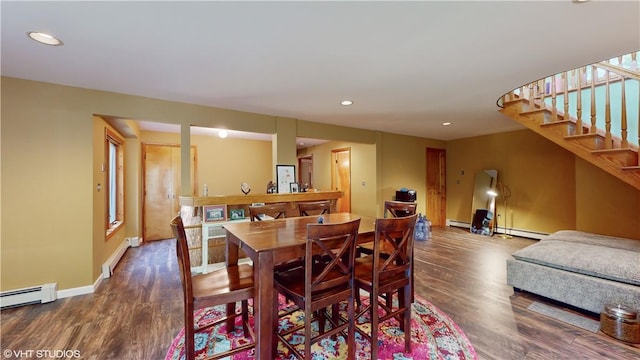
(277, 234)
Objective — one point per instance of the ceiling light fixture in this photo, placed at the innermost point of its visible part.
(446, 123)
(346, 102)
(223, 134)
(44, 38)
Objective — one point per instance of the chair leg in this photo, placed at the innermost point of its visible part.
(374, 324)
(351, 338)
(307, 332)
(189, 333)
(231, 310)
(245, 317)
(322, 320)
(402, 302)
(407, 317)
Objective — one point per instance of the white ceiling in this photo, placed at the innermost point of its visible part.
(408, 66)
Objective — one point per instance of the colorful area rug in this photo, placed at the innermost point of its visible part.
(433, 336)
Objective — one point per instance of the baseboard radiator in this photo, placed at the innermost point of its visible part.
(500, 230)
(112, 261)
(28, 296)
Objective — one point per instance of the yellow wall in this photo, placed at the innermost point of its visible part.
(604, 204)
(47, 161)
(403, 164)
(551, 188)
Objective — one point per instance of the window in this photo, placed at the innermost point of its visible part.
(114, 179)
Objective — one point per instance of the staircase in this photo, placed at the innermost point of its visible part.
(612, 153)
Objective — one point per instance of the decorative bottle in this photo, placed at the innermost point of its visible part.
(206, 190)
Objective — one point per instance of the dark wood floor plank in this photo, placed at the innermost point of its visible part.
(138, 311)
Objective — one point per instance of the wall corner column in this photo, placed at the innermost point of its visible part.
(284, 144)
(185, 160)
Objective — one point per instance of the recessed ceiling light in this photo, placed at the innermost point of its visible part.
(44, 38)
(223, 134)
(346, 102)
(446, 123)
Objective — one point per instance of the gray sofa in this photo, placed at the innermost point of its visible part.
(581, 269)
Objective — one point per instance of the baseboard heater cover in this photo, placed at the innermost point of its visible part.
(112, 261)
(28, 296)
(500, 230)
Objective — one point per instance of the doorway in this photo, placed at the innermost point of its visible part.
(341, 177)
(436, 186)
(305, 172)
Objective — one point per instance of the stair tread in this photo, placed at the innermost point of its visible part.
(578, 136)
(615, 150)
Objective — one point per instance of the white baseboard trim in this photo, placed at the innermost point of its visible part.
(112, 261)
(522, 233)
(455, 223)
(500, 230)
(82, 290)
(134, 241)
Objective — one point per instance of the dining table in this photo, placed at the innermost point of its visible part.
(271, 242)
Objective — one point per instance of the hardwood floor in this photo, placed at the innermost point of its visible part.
(465, 276)
(138, 311)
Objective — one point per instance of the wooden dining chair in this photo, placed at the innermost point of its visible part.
(275, 211)
(399, 208)
(394, 209)
(223, 286)
(321, 284)
(384, 274)
(314, 208)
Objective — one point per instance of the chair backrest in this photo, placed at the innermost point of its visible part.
(335, 245)
(184, 263)
(399, 208)
(314, 208)
(276, 211)
(395, 236)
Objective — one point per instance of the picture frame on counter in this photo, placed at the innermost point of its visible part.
(294, 187)
(236, 214)
(214, 213)
(285, 175)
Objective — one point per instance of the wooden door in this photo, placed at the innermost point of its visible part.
(341, 177)
(161, 169)
(436, 186)
(305, 171)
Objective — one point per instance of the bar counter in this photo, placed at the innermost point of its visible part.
(214, 251)
(260, 198)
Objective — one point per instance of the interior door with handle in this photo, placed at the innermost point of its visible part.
(341, 177)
